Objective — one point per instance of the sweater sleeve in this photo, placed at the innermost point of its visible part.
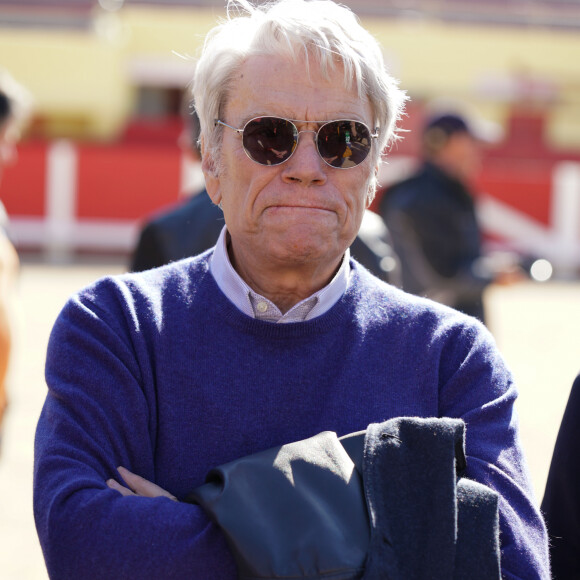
(479, 389)
(99, 414)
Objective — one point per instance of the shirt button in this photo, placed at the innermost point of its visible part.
(262, 307)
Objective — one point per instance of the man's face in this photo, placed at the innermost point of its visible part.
(461, 156)
(301, 211)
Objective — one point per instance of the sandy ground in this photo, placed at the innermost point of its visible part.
(535, 327)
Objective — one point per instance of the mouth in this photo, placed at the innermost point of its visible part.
(299, 214)
(298, 207)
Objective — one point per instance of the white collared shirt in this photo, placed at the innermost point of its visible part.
(257, 306)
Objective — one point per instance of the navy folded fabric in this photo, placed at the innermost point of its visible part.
(388, 502)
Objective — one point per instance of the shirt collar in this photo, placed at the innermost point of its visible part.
(257, 306)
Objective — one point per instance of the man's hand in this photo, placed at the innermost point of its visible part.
(137, 485)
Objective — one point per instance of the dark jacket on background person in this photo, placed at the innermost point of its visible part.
(302, 510)
(433, 225)
(373, 248)
(561, 503)
(185, 230)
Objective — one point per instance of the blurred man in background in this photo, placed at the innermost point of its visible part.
(433, 223)
(14, 109)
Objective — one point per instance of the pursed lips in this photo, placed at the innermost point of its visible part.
(296, 206)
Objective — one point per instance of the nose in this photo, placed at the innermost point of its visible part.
(305, 166)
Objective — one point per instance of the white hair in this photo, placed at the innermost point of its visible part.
(320, 31)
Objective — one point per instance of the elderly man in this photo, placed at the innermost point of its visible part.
(273, 336)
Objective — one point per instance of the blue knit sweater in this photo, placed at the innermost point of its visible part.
(160, 373)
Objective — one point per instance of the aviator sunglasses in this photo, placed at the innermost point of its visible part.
(272, 140)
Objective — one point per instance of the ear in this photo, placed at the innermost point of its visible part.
(212, 180)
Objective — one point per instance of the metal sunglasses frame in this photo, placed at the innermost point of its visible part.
(373, 135)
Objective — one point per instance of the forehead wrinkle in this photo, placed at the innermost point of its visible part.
(338, 116)
(265, 97)
(307, 115)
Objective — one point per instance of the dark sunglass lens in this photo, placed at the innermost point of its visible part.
(269, 140)
(344, 144)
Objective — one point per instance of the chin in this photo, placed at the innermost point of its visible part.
(307, 251)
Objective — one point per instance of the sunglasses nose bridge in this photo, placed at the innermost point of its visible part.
(306, 131)
(314, 139)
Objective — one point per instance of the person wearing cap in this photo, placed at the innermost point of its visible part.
(14, 110)
(433, 222)
(156, 378)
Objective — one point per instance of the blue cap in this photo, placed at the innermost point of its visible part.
(448, 124)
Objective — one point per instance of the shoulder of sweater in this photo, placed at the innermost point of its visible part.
(182, 274)
(376, 295)
(374, 300)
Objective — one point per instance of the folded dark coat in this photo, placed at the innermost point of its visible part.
(388, 502)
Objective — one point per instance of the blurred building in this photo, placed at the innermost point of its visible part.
(101, 152)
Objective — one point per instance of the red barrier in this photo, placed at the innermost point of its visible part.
(523, 184)
(126, 182)
(23, 185)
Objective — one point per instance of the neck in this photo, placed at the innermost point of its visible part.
(283, 284)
